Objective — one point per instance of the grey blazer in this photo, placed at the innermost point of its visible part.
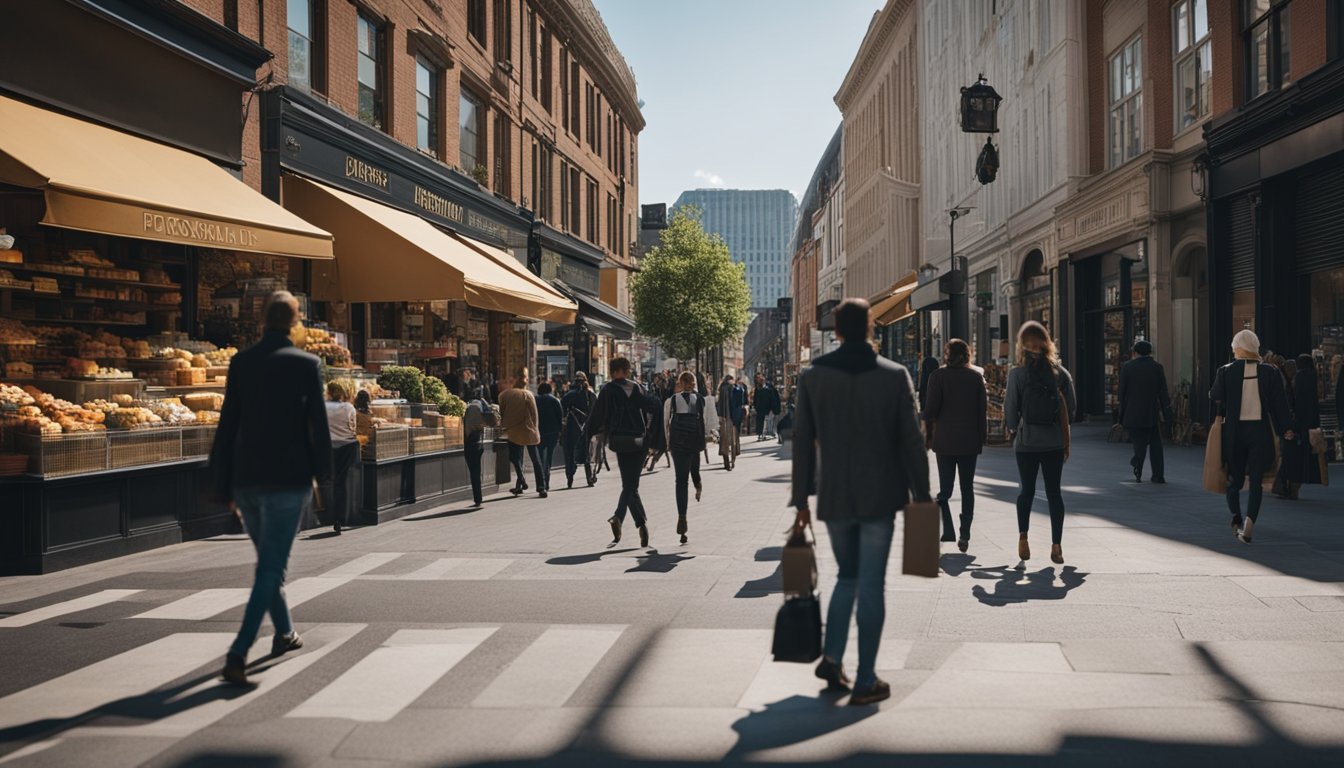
(856, 434)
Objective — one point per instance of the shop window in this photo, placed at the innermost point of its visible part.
(426, 106)
(503, 167)
(1126, 123)
(476, 20)
(1194, 54)
(303, 19)
(1265, 31)
(370, 72)
(470, 118)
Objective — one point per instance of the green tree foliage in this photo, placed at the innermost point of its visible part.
(688, 294)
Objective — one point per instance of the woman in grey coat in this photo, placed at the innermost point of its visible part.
(1037, 409)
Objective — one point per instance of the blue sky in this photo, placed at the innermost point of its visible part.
(737, 93)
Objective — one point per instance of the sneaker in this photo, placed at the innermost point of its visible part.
(283, 644)
(1244, 535)
(879, 691)
(833, 674)
(235, 671)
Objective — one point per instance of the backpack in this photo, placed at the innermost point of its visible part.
(1040, 400)
(686, 430)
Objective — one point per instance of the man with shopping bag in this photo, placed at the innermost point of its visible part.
(856, 415)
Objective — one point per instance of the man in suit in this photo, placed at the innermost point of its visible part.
(271, 444)
(856, 415)
(1143, 395)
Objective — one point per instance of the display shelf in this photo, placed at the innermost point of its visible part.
(28, 269)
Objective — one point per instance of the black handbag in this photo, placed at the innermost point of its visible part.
(798, 630)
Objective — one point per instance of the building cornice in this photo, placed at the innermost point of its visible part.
(874, 43)
(580, 26)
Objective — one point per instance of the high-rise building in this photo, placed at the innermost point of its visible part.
(756, 224)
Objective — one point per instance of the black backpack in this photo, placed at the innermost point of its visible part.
(686, 431)
(1040, 400)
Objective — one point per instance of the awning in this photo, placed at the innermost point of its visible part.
(97, 179)
(599, 313)
(384, 254)
(892, 304)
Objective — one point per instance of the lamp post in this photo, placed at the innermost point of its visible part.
(959, 320)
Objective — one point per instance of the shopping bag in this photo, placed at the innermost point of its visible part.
(1316, 438)
(798, 564)
(798, 630)
(922, 527)
(1215, 474)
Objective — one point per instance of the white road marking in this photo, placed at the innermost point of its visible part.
(198, 606)
(452, 569)
(363, 564)
(69, 606)
(392, 677)
(548, 672)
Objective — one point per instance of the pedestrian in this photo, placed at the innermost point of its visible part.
(341, 423)
(478, 416)
(957, 428)
(550, 422)
(926, 368)
(518, 418)
(1037, 409)
(728, 407)
(1249, 395)
(765, 399)
(575, 407)
(1298, 465)
(684, 425)
(856, 416)
(364, 418)
(622, 414)
(271, 444)
(1143, 398)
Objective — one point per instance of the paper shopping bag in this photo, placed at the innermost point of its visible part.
(1215, 474)
(922, 526)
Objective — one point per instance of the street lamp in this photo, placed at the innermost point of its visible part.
(980, 114)
(959, 320)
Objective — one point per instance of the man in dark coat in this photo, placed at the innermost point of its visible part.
(271, 444)
(1143, 395)
(576, 405)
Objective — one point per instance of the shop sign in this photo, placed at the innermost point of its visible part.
(195, 230)
(576, 274)
(361, 171)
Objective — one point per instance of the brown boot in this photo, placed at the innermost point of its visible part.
(1023, 548)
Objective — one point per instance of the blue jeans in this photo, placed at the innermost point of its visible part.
(861, 548)
(272, 521)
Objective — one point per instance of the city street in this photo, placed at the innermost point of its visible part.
(516, 635)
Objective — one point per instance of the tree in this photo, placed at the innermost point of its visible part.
(689, 295)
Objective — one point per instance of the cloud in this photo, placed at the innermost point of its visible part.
(713, 179)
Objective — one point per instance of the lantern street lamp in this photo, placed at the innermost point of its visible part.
(980, 114)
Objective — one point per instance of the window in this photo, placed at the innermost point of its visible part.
(470, 117)
(426, 106)
(564, 88)
(1194, 54)
(546, 85)
(503, 168)
(370, 72)
(564, 195)
(592, 213)
(476, 20)
(1265, 33)
(574, 79)
(1126, 124)
(612, 221)
(532, 50)
(1334, 30)
(588, 111)
(544, 206)
(302, 49)
(574, 200)
(503, 30)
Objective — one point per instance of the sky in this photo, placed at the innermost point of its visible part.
(737, 93)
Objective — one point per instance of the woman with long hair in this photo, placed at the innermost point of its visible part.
(957, 427)
(1037, 409)
(1249, 395)
(684, 425)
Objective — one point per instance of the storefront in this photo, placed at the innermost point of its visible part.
(130, 232)
(1111, 312)
(426, 274)
(575, 269)
(898, 324)
(1276, 189)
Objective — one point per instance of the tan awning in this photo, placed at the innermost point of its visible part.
(891, 304)
(383, 254)
(102, 180)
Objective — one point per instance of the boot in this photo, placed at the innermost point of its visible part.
(964, 540)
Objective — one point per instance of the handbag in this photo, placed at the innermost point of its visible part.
(798, 564)
(798, 630)
(920, 553)
(1316, 438)
(1215, 473)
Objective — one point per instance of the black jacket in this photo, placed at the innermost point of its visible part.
(550, 417)
(1306, 409)
(272, 431)
(958, 409)
(612, 403)
(1226, 397)
(576, 405)
(1143, 390)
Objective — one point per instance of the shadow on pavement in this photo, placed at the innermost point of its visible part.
(1014, 585)
(657, 562)
(586, 559)
(766, 585)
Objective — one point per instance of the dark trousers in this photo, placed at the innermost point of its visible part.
(546, 451)
(336, 492)
(631, 465)
(473, 451)
(950, 468)
(1147, 440)
(576, 452)
(760, 423)
(1051, 465)
(1252, 453)
(687, 464)
(516, 459)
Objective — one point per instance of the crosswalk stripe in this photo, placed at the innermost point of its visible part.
(199, 605)
(548, 672)
(393, 676)
(137, 671)
(453, 569)
(363, 564)
(69, 606)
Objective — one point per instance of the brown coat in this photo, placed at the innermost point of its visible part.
(518, 416)
(957, 410)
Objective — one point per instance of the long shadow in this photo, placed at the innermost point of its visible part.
(794, 720)
(774, 479)
(657, 562)
(766, 585)
(444, 514)
(1013, 585)
(588, 558)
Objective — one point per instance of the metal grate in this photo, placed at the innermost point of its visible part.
(60, 455)
(138, 447)
(387, 443)
(427, 440)
(197, 441)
